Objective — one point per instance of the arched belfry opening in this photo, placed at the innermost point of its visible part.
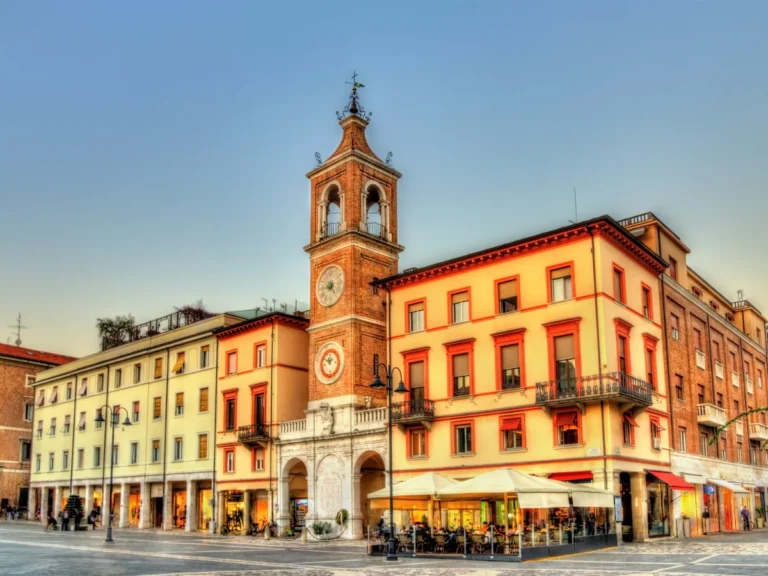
(376, 215)
(330, 212)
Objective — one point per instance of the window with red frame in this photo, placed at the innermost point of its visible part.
(619, 293)
(231, 363)
(697, 339)
(674, 323)
(647, 311)
(650, 366)
(417, 442)
(512, 433)
(229, 461)
(673, 268)
(567, 426)
(696, 292)
(714, 305)
(628, 427)
(230, 412)
(258, 459)
(463, 439)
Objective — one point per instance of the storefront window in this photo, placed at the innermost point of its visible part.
(205, 509)
(658, 509)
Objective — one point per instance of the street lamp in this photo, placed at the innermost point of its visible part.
(115, 422)
(377, 384)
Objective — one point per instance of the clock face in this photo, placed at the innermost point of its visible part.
(330, 285)
(329, 363)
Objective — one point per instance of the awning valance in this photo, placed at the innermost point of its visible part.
(727, 485)
(595, 497)
(543, 499)
(695, 478)
(674, 481)
(571, 476)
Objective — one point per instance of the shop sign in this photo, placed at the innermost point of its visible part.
(709, 489)
(617, 511)
(235, 497)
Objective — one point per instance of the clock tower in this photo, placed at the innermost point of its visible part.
(353, 240)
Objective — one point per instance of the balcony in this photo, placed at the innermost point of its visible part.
(750, 385)
(701, 362)
(735, 379)
(253, 434)
(711, 415)
(758, 431)
(418, 411)
(374, 229)
(627, 391)
(739, 428)
(330, 229)
(719, 372)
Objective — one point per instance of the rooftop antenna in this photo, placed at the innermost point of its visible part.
(740, 294)
(575, 208)
(19, 327)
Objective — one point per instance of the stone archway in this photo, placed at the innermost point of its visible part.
(369, 476)
(293, 485)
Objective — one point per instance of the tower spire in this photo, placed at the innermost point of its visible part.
(353, 107)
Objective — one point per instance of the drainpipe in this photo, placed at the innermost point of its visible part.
(104, 443)
(599, 358)
(271, 415)
(214, 495)
(663, 297)
(165, 431)
(711, 362)
(74, 431)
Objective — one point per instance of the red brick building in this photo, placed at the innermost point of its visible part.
(18, 367)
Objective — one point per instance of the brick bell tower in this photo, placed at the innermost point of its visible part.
(353, 240)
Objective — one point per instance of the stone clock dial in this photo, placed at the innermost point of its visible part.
(329, 363)
(330, 285)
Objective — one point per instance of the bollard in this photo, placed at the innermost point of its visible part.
(304, 534)
(561, 534)
(267, 532)
(520, 540)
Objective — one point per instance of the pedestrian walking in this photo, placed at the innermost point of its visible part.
(65, 520)
(745, 517)
(78, 519)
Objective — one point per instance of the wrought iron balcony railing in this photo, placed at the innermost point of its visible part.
(330, 229)
(615, 386)
(420, 410)
(253, 434)
(375, 229)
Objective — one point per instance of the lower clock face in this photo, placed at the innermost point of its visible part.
(329, 363)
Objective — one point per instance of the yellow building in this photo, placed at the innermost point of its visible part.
(262, 378)
(542, 354)
(165, 385)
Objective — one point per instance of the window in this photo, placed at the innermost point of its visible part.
(203, 407)
(510, 367)
(39, 428)
(674, 323)
(135, 415)
(759, 379)
(460, 364)
(679, 391)
(29, 380)
(52, 431)
(560, 284)
(136, 373)
(158, 368)
(41, 398)
(714, 305)
(647, 308)
(628, 429)
(463, 439)
(700, 389)
(673, 268)
(99, 425)
(696, 292)
(697, 339)
(261, 356)
(619, 291)
(416, 383)
(178, 367)
(682, 435)
(178, 449)
(100, 383)
(758, 334)
(231, 363)
(258, 459)
(703, 444)
(507, 296)
(512, 433)
(202, 446)
(69, 391)
(50, 461)
(716, 350)
(650, 366)
(736, 408)
(115, 454)
(719, 400)
(655, 431)
(738, 452)
(84, 387)
(96, 456)
(565, 362)
(65, 460)
(116, 414)
(567, 426)
(753, 458)
(29, 410)
(204, 351)
(55, 395)
(417, 442)
(723, 451)
(81, 422)
(156, 408)
(134, 452)
(733, 360)
(416, 316)
(622, 351)
(729, 318)
(460, 307)
(155, 451)
(118, 378)
(229, 461)
(179, 404)
(230, 416)
(38, 459)
(26, 450)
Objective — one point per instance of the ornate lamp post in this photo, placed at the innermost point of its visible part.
(115, 420)
(401, 389)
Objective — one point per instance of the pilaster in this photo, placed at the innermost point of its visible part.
(125, 492)
(144, 504)
(639, 506)
(190, 524)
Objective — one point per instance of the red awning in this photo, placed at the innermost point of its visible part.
(565, 419)
(570, 476)
(511, 423)
(674, 481)
(631, 420)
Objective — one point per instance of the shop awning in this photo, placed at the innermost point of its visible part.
(695, 479)
(422, 486)
(674, 481)
(543, 499)
(727, 485)
(570, 476)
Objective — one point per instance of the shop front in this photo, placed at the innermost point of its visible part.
(179, 507)
(299, 509)
(204, 508)
(156, 505)
(234, 505)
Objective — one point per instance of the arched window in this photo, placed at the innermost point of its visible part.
(376, 211)
(330, 211)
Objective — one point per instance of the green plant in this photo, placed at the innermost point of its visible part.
(341, 517)
(320, 528)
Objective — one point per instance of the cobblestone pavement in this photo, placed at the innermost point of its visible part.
(26, 549)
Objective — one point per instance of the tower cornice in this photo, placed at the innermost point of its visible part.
(363, 158)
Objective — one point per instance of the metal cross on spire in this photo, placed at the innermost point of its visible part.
(353, 106)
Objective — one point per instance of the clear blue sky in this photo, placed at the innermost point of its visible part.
(153, 153)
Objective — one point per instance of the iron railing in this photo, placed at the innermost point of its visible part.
(413, 410)
(585, 388)
(253, 433)
(330, 229)
(376, 229)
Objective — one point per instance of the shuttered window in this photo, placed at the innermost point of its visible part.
(507, 296)
(460, 374)
(202, 446)
(178, 368)
(560, 284)
(158, 368)
(179, 403)
(460, 307)
(416, 317)
(203, 399)
(416, 380)
(510, 367)
(156, 414)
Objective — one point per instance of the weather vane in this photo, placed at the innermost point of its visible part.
(353, 106)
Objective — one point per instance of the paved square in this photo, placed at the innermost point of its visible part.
(26, 549)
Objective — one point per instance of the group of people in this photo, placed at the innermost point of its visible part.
(13, 513)
(77, 517)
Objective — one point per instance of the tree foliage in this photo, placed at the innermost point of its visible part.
(743, 417)
(116, 331)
